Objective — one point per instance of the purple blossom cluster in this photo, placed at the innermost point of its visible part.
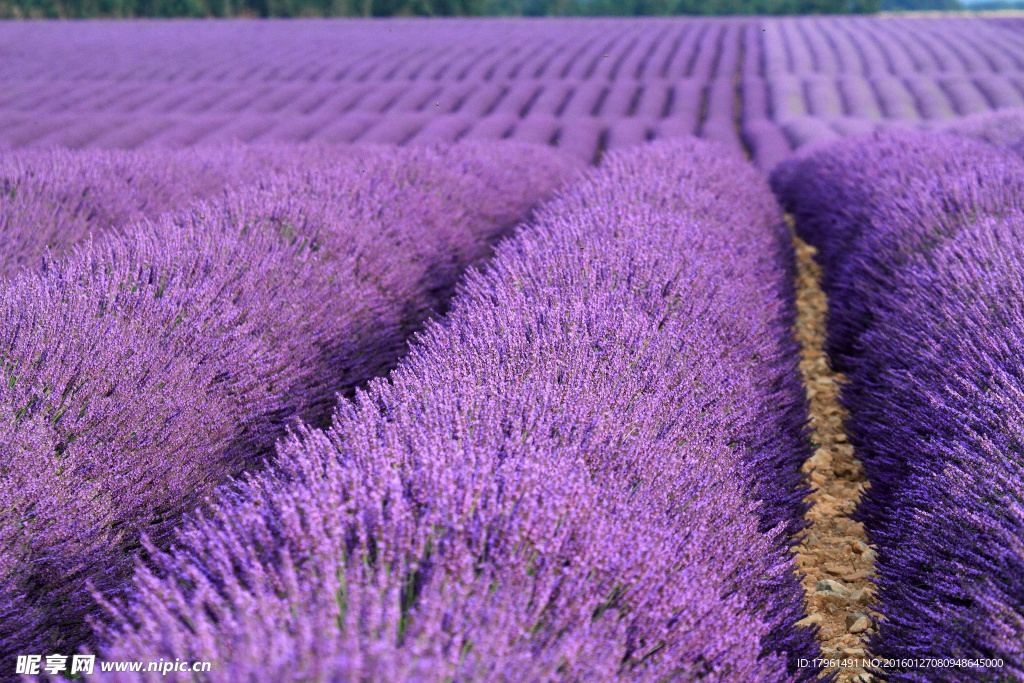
(920, 238)
(588, 470)
(145, 369)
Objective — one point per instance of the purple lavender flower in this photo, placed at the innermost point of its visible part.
(55, 199)
(919, 236)
(556, 483)
(146, 369)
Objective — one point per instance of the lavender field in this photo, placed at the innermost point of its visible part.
(763, 85)
(512, 350)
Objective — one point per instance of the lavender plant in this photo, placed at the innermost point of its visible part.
(999, 90)
(920, 186)
(56, 198)
(940, 403)
(145, 370)
(919, 237)
(556, 483)
(1003, 127)
(859, 96)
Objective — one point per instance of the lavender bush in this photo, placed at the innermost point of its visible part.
(965, 96)
(146, 369)
(932, 102)
(859, 95)
(919, 237)
(823, 97)
(767, 142)
(896, 101)
(919, 186)
(555, 483)
(939, 402)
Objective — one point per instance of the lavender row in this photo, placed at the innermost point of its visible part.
(569, 96)
(145, 369)
(596, 85)
(555, 483)
(630, 116)
(585, 137)
(353, 51)
(1001, 128)
(889, 97)
(592, 135)
(838, 189)
(919, 239)
(55, 199)
(888, 46)
(231, 53)
(791, 94)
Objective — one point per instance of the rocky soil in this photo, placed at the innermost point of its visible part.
(835, 557)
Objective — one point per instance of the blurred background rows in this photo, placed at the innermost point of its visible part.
(763, 86)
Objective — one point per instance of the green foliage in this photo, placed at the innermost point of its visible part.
(389, 8)
(674, 7)
(916, 5)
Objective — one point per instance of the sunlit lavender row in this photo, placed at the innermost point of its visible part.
(920, 237)
(146, 367)
(589, 470)
(763, 85)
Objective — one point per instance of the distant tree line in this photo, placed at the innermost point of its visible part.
(390, 8)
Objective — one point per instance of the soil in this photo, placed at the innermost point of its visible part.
(835, 557)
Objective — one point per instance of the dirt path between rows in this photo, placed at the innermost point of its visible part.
(835, 556)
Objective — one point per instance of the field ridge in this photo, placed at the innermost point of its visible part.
(835, 555)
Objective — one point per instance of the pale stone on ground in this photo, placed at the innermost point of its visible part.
(835, 557)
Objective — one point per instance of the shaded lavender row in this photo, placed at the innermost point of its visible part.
(554, 484)
(146, 369)
(919, 237)
(55, 199)
(931, 191)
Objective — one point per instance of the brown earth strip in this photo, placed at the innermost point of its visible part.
(834, 556)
